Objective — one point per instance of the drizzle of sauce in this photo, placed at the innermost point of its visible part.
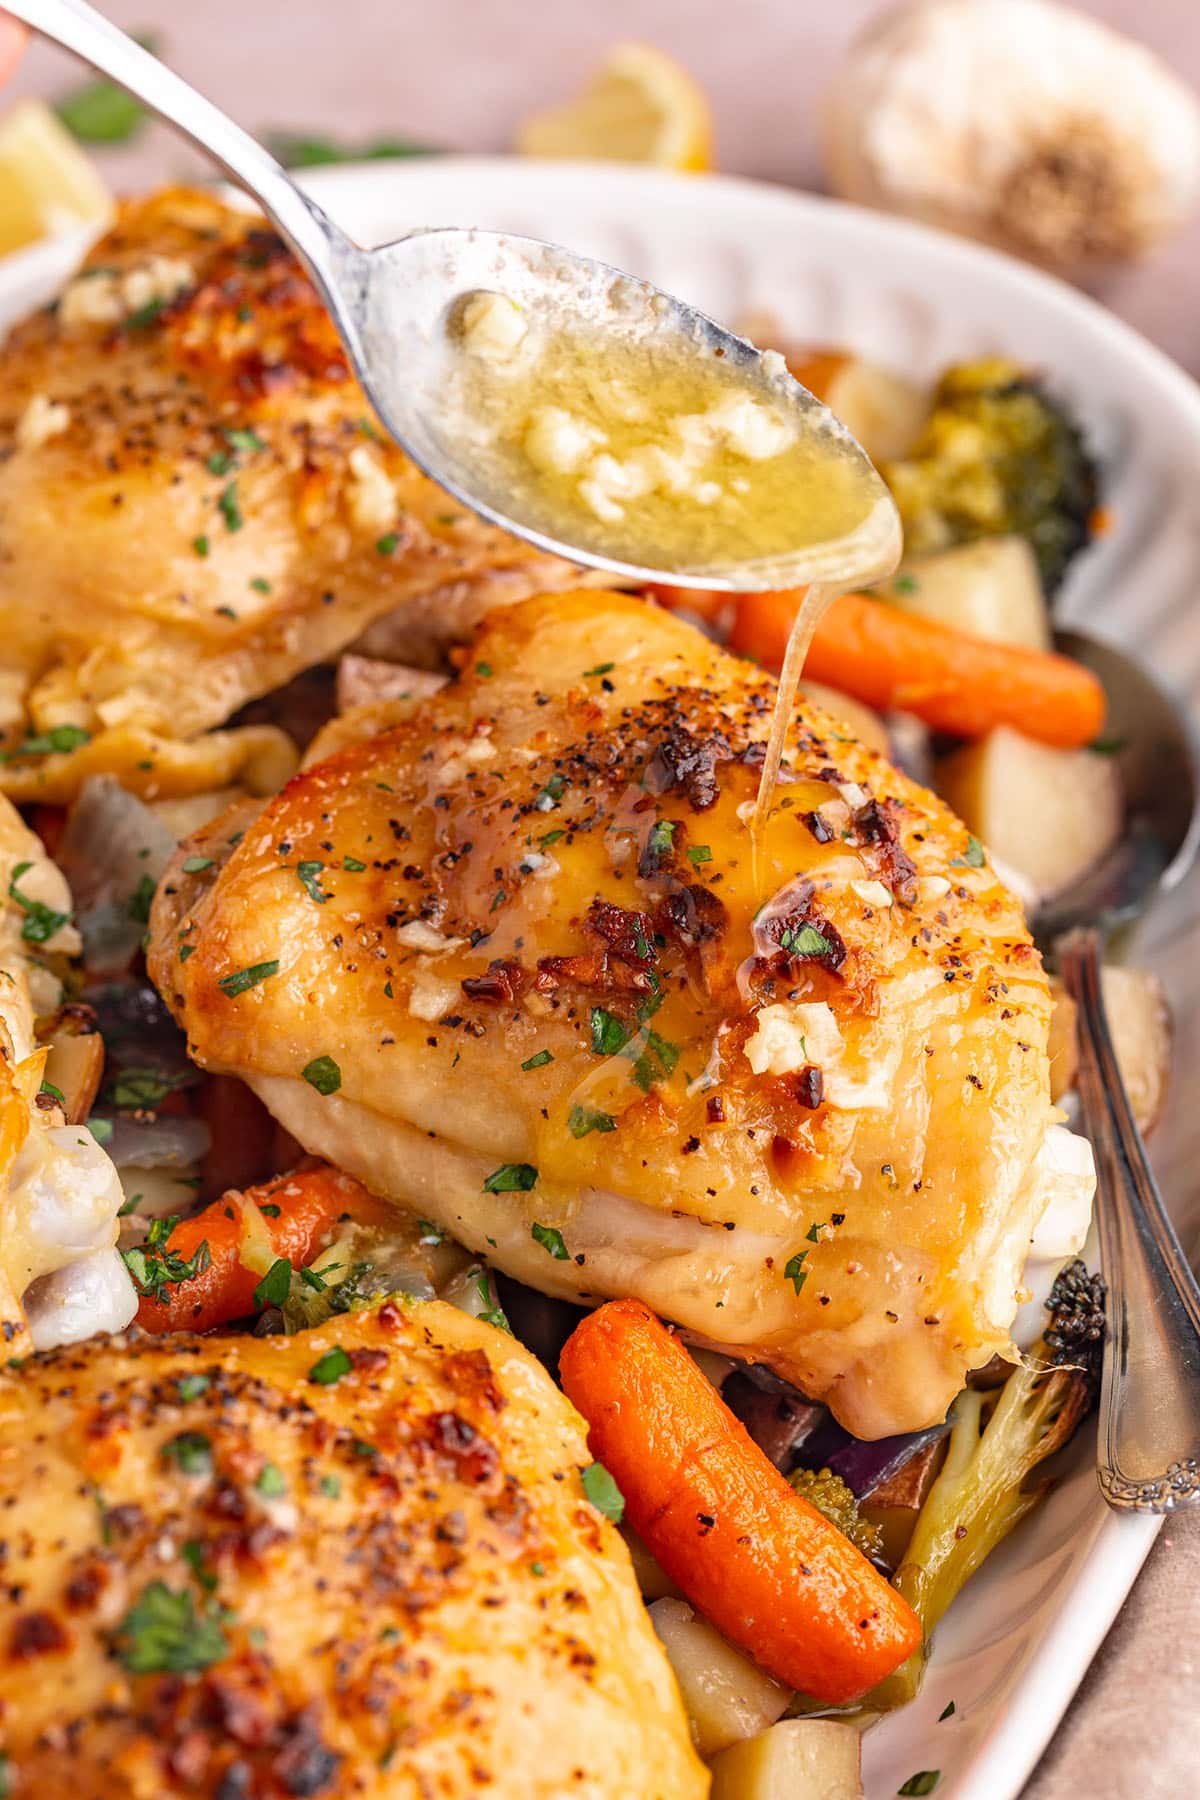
(808, 617)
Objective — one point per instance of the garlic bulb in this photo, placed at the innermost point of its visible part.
(1019, 122)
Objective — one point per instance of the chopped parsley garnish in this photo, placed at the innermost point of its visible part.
(318, 1283)
(270, 1211)
(141, 1090)
(275, 1285)
(241, 979)
(241, 438)
(603, 1492)
(193, 865)
(923, 1782)
(323, 1074)
(219, 463)
(699, 853)
(200, 545)
(163, 1634)
(193, 1555)
(330, 1368)
(260, 584)
(144, 316)
(946, 1712)
(55, 742)
(795, 1271)
(498, 899)
(430, 1233)
(331, 1487)
(491, 1312)
(806, 941)
(352, 864)
(551, 1240)
(185, 950)
(485, 670)
(600, 669)
(190, 1387)
(609, 1036)
(153, 1264)
(229, 509)
(270, 1482)
(141, 900)
(190, 1451)
(550, 837)
(310, 880)
(388, 544)
(662, 838)
(906, 584)
(41, 922)
(55, 1093)
(656, 1062)
(511, 1178)
(130, 1206)
(974, 858)
(583, 1119)
(551, 794)
(813, 1234)
(539, 1061)
(1107, 746)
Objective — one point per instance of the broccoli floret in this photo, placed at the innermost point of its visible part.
(997, 456)
(997, 1439)
(830, 1495)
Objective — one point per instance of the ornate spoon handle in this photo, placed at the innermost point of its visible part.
(1148, 1453)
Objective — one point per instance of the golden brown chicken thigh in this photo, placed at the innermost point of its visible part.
(793, 1095)
(195, 503)
(355, 1562)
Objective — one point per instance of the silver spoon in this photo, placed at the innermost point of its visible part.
(392, 306)
(1148, 1446)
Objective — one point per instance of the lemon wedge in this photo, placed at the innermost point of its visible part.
(47, 184)
(639, 107)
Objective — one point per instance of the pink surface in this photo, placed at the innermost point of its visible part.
(460, 73)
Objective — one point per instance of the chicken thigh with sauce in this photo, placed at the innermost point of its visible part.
(792, 1094)
(355, 1562)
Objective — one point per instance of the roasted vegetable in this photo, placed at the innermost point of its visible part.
(997, 455)
(990, 588)
(830, 1495)
(997, 1439)
(798, 1759)
(727, 1697)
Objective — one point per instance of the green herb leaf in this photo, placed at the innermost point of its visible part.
(144, 316)
(658, 1060)
(946, 1712)
(807, 941)
(193, 865)
(1107, 746)
(190, 1451)
(275, 1285)
(539, 1061)
(190, 1387)
(603, 1492)
(299, 150)
(185, 950)
(331, 1487)
(551, 1240)
(388, 544)
(974, 858)
(270, 1482)
(430, 1233)
(551, 794)
(323, 1074)
(141, 900)
(219, 463)
(228, 507)
(609, 1036)
(241, 979)
(193, 1555)
(662, 838)
(511, 1178)
(98, 112)
(56, 742)
(923, 1782)
(310, 873)
(141, 1090)
(55, 1093)
(241, 438)
(699, 853)
(163, 1634)
(200, 545)
(352, 864)
(906, 584)
(491, 1312)
(485, 670)
(154, 1266)
(583, 1119)
(41, 922)
(600, 669)
(794, 1270)
(330, 1368)
(550, 837)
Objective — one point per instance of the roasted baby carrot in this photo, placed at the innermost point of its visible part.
(764, 1566)
(291, 1216)
(957, 683)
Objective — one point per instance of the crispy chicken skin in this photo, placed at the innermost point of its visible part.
(387, 1583)
(793, 1097)
(195, 503)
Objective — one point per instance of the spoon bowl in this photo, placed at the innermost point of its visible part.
(395, 308)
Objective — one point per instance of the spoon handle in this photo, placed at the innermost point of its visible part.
(1148, 1453)
(81, 29)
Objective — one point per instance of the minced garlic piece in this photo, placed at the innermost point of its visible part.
(100, 298)
(42, 420)
(492, 324)
(419, 934)
(431, 994)
(371, 494)
(788, 1034)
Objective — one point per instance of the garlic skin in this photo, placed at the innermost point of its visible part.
(1018, 122)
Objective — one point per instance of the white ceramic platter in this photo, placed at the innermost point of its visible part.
(1012, 1652)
